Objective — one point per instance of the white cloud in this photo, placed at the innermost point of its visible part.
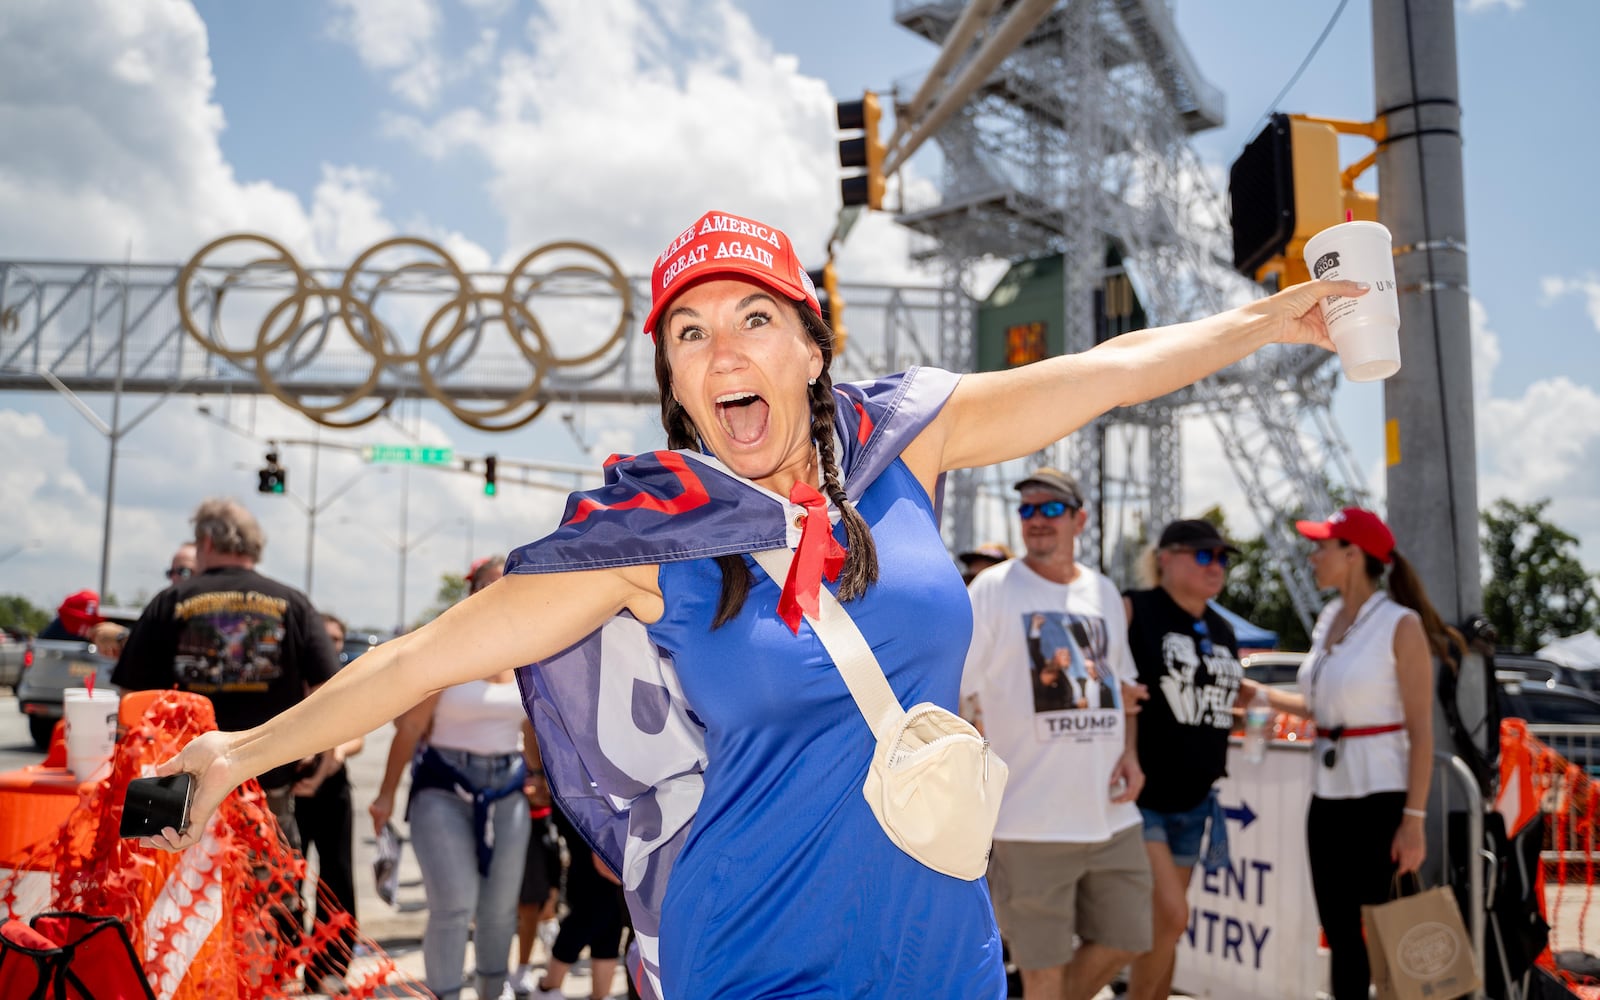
(346, 214)
(1485, 353)
(1586, 288)
(400, 39)
(112, 144)
(685, 107)
(1546, 444)
(395, 36)
(111, 136)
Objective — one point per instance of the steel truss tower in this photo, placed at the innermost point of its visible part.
(1078, 142)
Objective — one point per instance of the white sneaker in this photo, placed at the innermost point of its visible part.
(539, 994)
(522, 982)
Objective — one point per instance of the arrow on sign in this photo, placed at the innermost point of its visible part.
(1241, 814)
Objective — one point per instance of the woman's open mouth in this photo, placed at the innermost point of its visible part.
(743, 416)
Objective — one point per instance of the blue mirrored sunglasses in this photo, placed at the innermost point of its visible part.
(1205, 557)
(1203, 634)
(1050, 508)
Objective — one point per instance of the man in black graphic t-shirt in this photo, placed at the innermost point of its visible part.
(250, 644)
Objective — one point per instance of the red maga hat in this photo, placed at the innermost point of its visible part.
(80, 612)
(720, 245)
(1358, 526)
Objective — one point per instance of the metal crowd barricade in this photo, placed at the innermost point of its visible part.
(1459, 777)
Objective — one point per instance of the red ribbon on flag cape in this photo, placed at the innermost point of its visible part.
(819, 554)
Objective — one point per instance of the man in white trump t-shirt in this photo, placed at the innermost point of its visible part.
(1048, 659)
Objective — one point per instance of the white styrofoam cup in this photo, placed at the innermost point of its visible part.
(91, 730)
(1365, 329)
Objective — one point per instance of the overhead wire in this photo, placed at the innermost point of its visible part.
(1316, 46)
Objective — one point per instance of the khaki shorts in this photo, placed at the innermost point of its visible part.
(1044, 893)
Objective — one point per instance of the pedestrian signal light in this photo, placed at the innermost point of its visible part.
(1284, 189)
(863, 153)
(489, 485)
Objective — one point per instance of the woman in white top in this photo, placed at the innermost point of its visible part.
(468, 817)
(1367, 685)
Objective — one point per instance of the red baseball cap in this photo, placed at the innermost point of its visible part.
(720, 245)
(1358, 526)
(80, 612)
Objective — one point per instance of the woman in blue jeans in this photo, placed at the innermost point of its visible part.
(469, 819)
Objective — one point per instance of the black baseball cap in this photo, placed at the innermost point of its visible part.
(1194, 534)
(1055, 481)
(992, 551)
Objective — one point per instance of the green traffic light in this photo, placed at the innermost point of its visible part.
(277, 487)
(488, 489)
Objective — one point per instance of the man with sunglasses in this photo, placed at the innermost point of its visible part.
(108, 637)
(1068, 857)
(184, 564)
(1188, 659)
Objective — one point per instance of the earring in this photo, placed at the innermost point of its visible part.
(811, 381)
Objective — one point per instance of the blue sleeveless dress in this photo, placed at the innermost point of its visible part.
(787, 886)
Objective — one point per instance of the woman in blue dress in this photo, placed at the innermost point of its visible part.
(696, 729)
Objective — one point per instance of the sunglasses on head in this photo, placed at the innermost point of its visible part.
(1050, 509)
(1205, 557)
(181, 572)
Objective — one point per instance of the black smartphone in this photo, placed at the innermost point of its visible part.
(153, 804)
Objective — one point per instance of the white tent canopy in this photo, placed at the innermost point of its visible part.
(1581, 651)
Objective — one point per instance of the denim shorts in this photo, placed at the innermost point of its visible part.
(1182, 832)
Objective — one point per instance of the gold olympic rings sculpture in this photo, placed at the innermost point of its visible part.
(296, 328)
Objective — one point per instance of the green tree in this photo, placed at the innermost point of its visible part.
(452, 588)
(17, 612)
(1255, 590)
(1537, 590)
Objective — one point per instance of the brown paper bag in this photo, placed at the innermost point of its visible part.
(1419, 948)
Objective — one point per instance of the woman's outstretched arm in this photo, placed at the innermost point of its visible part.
(518, 620)
(995, 416)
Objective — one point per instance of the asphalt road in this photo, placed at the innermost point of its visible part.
(16, 747)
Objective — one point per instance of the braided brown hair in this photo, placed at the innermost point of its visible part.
(861, 559)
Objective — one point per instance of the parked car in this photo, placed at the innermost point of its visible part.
(1536, 668)
(59, 664)
(1569, 711)
(1273, 668)
(14, 646)
(355, 644)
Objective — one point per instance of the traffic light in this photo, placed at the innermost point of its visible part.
(1285, 188)
(272, 477)
(826, 282)
(488, 476)
(863, 151)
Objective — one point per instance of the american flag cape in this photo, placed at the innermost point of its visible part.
(623, 751)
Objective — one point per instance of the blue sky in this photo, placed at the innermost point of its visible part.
(498, 125)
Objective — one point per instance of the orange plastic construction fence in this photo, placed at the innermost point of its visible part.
(1535, 780)
(220, 919)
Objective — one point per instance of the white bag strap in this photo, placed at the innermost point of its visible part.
(848, 647)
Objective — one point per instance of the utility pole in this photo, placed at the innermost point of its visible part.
(1431, 442)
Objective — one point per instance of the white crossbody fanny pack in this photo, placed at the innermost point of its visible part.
(934, 784)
